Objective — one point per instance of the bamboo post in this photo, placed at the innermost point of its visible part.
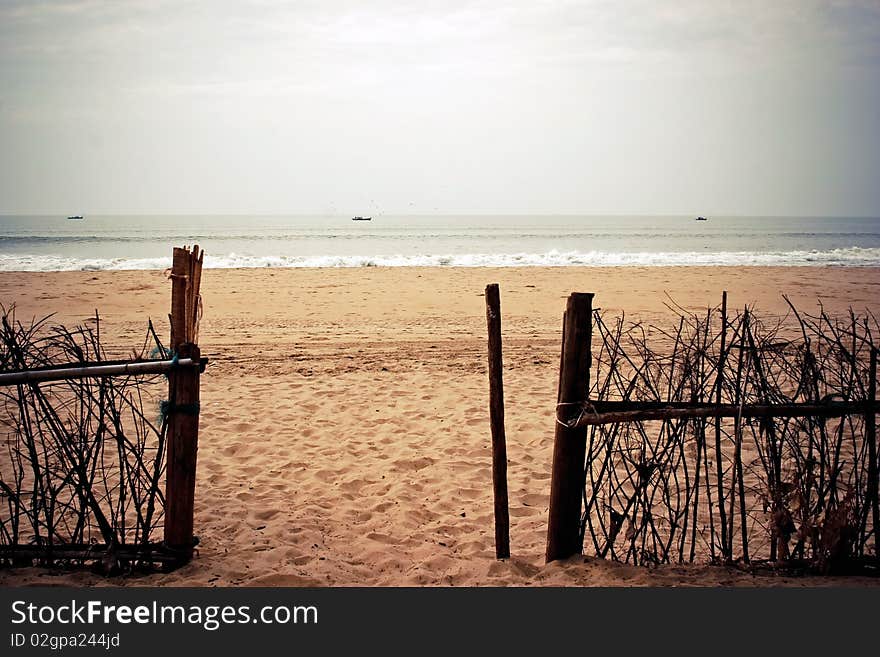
(871, 437)
(569, 448)
(180, 276)
(183, 403)
(496, 414)
(193, 299)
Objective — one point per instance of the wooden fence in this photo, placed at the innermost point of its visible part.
(721, 439)
(87, 445)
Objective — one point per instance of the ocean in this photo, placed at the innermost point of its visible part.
(44, 243)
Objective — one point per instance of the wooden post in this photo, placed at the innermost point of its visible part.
(496, 415)
(192, 297)
(569, 448)
(182, 445)
(180, 270)
(871, 438)
(182, 436)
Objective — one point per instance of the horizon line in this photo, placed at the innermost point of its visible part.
(445, 214)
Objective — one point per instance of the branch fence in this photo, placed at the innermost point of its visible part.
(723, 439)
(88, 472)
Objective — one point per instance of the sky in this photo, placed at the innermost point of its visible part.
(395, 106)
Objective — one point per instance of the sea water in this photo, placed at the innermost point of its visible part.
(45, 243)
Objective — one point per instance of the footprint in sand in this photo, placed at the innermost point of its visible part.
(326, 475)
(535, 499)
(266, 514)
(413, 465)
(353, 486)
(522, 511)
(382, 538)
(382, 507)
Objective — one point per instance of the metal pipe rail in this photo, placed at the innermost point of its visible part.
(97, 370)
(611, 412)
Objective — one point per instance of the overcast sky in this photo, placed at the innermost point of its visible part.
(426, 107)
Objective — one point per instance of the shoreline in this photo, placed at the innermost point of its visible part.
(451, 262)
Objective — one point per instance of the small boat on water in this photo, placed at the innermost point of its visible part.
(701, 219)
(361, 218)
(76, 217)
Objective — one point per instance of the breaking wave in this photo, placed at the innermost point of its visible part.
(850, 257)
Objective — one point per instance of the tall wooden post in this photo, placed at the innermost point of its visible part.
(496, 416)
(569, 448)
(182, 411)
(871, 438)
(183, 441)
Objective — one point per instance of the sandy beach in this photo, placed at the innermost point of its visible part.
(344, 429)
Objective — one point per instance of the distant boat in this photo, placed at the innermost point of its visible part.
(361, 218)
(701, 219)
(77, 217)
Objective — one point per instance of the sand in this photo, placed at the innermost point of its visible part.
(345, 435)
